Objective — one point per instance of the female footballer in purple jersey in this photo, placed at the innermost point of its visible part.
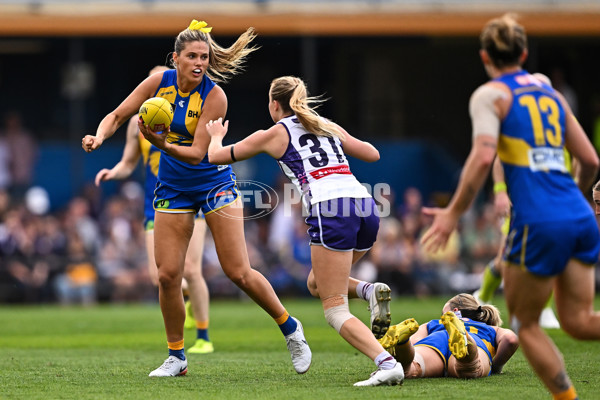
(186, 183)
(553, 242)
(343, 219)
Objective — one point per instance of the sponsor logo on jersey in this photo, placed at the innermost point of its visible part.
(160, 203)
(323, 172)
(547, 159)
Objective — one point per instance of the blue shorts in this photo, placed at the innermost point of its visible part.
(344, 223)
(169, 200)
(545, 248)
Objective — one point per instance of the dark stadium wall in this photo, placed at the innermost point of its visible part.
(391, 89)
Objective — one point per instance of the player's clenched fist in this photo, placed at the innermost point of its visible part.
(90, 143)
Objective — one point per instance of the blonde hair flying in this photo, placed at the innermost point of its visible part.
(290, 92)
(224, 63)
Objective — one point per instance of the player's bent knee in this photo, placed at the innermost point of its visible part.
(239, 276)
(336, 311)
(192, 275)
(166, 280)
(311, 284)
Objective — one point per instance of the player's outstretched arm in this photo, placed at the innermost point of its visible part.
(357, 148)
(113, 120)
(473, 176)
(272, 141)
(508, 343)
(129, 159)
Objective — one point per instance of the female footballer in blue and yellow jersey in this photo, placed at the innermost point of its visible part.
(531, 149)
(217, 188)
(484, 336)
(454, 345)
(554, 239)
(197, 306)
(187, 183)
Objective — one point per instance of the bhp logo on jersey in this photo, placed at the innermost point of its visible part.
(258, 199)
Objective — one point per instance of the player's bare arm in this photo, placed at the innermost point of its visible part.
(129, 159)
(474, 174)
(357, 148)
(272, 141)
(508, 343)
(130, 106)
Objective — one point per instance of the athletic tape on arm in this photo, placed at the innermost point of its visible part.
(483, 110)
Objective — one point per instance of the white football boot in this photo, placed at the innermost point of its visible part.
(299, 350)
(172, 366)
(385, 377)
(379, 305)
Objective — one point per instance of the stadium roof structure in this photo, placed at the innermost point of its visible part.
(281, 17)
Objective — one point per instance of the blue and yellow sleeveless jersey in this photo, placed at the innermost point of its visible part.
(150, 159)
(531, 148)
(187, 108)
(478, 330)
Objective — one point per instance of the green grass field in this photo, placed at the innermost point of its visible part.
(106, 352)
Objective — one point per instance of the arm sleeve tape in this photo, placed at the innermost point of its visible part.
(483, 111)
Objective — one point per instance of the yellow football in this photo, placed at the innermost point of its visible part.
(157, 113)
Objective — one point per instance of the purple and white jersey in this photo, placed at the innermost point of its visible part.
(317, 166)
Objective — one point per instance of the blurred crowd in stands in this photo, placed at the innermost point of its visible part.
(93, 251)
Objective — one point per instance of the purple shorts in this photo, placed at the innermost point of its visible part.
(344, 224)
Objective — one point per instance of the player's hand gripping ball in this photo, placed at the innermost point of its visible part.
(157, 113)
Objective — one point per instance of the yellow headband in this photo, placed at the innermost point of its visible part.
(199, 26)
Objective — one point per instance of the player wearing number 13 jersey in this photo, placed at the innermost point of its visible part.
(531, 148)
(553, 240)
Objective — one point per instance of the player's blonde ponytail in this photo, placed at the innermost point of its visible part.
(290, 92)
(469, 307)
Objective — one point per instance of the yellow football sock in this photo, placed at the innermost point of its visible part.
(175, 345)
(489, 284)
(201, 324)
(568, 394)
